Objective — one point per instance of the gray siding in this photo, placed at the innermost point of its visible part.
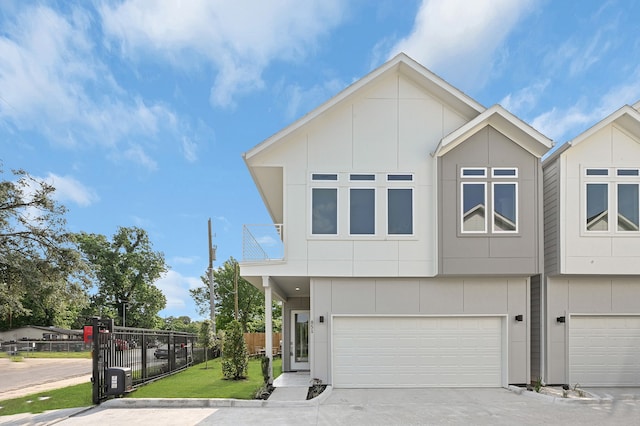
(536, 328)
(551, 180)
(487, 254)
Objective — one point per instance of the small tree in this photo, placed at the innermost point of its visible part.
(206, 338)
(235, 357)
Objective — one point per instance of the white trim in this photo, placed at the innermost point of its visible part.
(462, 211)
(493, 209)
(413, 210)
(513, 176)
(375, 209)
(311, 233)
(482, 176)
(299, 365)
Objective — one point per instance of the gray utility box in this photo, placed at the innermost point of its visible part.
(118, 380)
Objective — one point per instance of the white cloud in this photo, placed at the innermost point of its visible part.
(299, 99)
(238, 39)
(189, 149)
(70, 189)
(175, 288)
(524, 99)
(458, 38)
(53, 82)
(562, 124)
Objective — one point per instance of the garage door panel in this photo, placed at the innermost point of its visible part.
(417, 351)
(603, 350)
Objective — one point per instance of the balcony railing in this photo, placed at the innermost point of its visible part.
(262, 242)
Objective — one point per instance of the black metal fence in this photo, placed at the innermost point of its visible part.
(146, 354)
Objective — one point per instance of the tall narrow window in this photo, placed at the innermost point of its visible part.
(628, 206)
(324, 220)
(597, 207)
(362, 214)
(400, 211)
(505, 214)
(474, 207)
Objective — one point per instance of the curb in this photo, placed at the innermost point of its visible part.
(210, 402)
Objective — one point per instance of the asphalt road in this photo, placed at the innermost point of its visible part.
(34, 371)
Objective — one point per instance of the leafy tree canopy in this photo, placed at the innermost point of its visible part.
(250, 300)
(43, 279)
(125, 270)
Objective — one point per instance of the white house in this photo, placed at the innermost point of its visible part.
(384, 282)
(590, 300)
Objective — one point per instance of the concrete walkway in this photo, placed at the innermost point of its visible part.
(291, 387)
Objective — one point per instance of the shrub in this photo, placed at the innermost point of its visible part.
(235, 357)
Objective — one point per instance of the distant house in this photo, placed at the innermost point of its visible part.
(590, 299)
(35, 332)
(410, 219)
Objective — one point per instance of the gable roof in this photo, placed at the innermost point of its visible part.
(399, 63)
(506, 123)
(627, 117)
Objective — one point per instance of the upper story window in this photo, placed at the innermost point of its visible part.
(324, 211)
(612, 202)
(362, 194)
(493, 199)
(399, 204)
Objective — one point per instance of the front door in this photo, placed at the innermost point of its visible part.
(299, 340)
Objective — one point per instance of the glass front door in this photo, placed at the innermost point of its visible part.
(300, 340)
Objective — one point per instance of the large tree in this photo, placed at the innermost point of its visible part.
(126, 268)
(43, 279)
(250, 299)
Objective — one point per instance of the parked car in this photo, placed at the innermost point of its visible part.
(163, 352)
(121, 345)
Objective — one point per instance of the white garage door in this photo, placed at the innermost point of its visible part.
(417, 351)
(604, 351)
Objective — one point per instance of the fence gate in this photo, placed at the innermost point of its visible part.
(102, 329)
(125, 357)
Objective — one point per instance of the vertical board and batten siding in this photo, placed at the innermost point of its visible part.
(552, 228)
(488, 253)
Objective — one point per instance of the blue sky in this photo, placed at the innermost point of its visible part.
(138, 111)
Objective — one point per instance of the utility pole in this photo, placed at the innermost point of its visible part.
(235, 286)
(212, 257)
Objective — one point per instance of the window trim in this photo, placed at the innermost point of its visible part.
(462, 211)
(413, 207)
(493, 208)
(482, 176)
(513, 176)
(617, 205)
(337, 218)
(375, 216)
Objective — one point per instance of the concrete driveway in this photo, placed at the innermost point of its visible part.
(377, 407)
(368, 407)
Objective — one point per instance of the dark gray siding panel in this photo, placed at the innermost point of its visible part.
(464, 254)
(536, 330)
(551, 174)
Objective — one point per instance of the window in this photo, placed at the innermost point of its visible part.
(324, 211)
(612, 200)
(628, 207)
(505, 206)
(362, 215)
(474, 207)
(324, 176)
(405, 177)
(501, 203)
(597, 207)
(400, 211)
(359, 177)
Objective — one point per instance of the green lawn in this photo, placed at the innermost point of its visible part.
(194, 382)
(198, 382)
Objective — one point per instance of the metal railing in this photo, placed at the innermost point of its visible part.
(262, 242)
(149, 354)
